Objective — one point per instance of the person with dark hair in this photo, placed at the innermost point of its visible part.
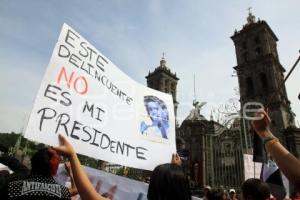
(295, 196)
(40, 184)
(206, 191)
(20, 171)
(158, 113)
(255, 189)
(215, 195)
(168, 182)
(224, 195)
(232, 194)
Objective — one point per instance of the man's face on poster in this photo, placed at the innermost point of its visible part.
(154, 110)
(158, 114)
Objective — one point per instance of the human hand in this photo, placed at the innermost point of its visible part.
(176, 159)
(65, 147)
(261, 126)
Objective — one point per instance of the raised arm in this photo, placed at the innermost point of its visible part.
(73, 189)
(288, 163)
(83, 184)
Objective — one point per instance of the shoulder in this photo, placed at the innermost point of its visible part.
(38, 187)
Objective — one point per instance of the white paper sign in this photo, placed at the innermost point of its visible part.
(252, 169)
(109, 185)
(103, 112)
(112, 186)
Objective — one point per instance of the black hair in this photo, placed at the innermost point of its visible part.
(4, 173)
(214, 195)
(40, 162)
(148, 99)
(168, 182)
(160, 102)
(255, 189)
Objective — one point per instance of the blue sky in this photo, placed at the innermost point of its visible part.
(195, 35)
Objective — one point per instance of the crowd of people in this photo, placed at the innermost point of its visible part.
(167, 182)
(251, 189)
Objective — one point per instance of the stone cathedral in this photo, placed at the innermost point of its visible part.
(164, 80)
(260, 73)
(216, 158)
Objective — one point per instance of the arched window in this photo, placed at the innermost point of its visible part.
(249, 85)
(166, 82)
(257, 40)
(245, 56)
(244, 45)
(263, 80)
(173, 86)
(258, 50)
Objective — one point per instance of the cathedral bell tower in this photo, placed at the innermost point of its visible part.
(260, 73)
(162, 79)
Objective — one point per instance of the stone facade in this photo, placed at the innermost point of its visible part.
(195, 142)
(213, 153)
(162, 79)
(260, 73)
(292, 135)
(228, 159)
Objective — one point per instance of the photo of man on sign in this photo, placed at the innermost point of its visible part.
(158, 113)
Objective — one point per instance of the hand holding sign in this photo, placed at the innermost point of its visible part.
(65, 147)
(261, 126)
(176, 159)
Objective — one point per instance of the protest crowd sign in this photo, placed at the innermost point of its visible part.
(104, 113)
(252, 169)
(110, 185)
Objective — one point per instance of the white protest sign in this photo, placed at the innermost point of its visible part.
(4, 167)
(252, 169)
(109, 185)
(103, 112)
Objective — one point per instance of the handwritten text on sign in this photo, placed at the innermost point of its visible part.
(105, 114)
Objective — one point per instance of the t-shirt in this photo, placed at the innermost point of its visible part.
(37, 188)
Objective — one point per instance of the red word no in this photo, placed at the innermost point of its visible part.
(73, 81)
